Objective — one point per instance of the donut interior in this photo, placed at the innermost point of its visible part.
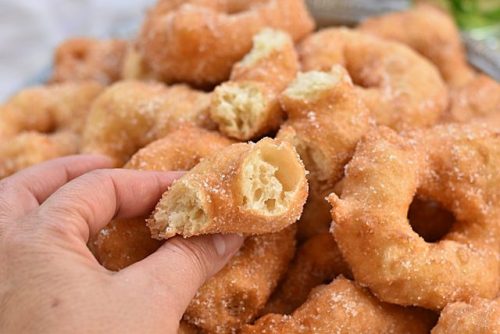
(271, 175)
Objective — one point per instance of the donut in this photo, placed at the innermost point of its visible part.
(400, 88)
(30, 148)
(454, 165)
(135, 67)
(198, 41)
(326, 119)
(243, 188)
(186, 328)
(317, 260)
(48, 109)
(479, 316)
(235, 295)
(247, 105)
(429, 31)
(126, 241)
(83, 59)
(478, 100)
(343, 306)
(130, 114)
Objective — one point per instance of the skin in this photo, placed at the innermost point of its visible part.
(51, 283)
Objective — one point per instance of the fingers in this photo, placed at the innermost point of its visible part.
(27, 189)
(180, 267)
(85, 205)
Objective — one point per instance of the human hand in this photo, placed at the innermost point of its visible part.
(51, 283)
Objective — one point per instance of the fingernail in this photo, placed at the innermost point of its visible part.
(227, 244)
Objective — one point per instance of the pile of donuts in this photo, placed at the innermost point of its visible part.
(361, 164)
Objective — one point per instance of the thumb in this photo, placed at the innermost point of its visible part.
(181, 266)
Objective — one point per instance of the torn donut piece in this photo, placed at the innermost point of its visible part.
(125, 241)
(247, 105)
(244, 188)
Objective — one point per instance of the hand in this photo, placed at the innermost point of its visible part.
(49, 280)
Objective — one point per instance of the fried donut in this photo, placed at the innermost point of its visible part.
(48, 109)
(30, 148)
(247, 106)
(244, 188)
(480, 316)
(82, 59)
(429, 31)
(318, 260)
(198, 41)
(344, 307)
(476, 101)
(235, 295)
(326, 119)
(135, 67)
(125, 241)
(131, 114)
(401, 88)
(186, 328)
(456, 166)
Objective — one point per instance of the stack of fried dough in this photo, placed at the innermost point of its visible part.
(361, 164)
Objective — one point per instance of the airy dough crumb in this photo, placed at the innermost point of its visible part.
(264, 43)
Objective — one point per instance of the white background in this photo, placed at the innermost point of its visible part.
(30, 29)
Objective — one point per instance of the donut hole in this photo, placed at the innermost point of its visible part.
(429, 219)
(79, 54)
(183, 211)
(271, 175)
(237, 108)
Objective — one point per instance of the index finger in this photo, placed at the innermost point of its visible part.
(27, 189)
(87, 204)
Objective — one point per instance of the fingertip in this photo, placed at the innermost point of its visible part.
(227, 244)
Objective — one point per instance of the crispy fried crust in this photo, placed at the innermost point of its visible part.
(125, 241)
(429, 31)
(235, 295)
(344, 307)
(247, 106)
(480, 316)
(244, 188)
(82, 59)
(30, 148)
(457, 166)
(131, 114)
(318, 260)
(205, 38)
(401, 88)
(60, 107)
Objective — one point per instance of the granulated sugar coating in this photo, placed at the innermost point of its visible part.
(131, 114)
(238, 292)
(455, 165)
(125, 241)
(344, 307)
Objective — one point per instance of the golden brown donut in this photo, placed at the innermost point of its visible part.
(30, 148)
(247, 106)
(235, 295)
(455, 165)
(326, 119)
(186, 328)
(244, 188)
(480, 316)
(125, 241)
(48, 109)
(135, 67)
(131, 114)
(400, 88)
(344, 307)
(82, 59)
(429, 31)
(318, 260)
(198, 41)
